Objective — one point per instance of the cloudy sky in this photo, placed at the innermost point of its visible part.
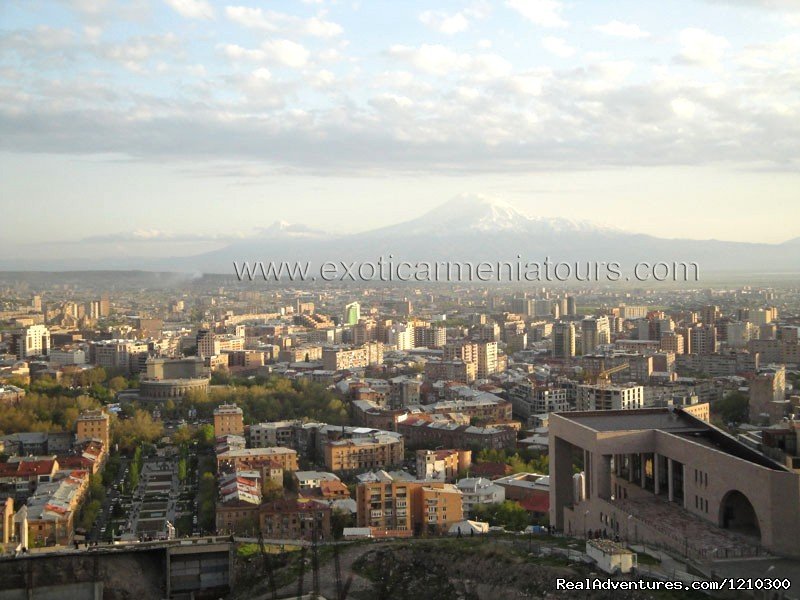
(187, 123)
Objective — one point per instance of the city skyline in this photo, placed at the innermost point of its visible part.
(152, 119)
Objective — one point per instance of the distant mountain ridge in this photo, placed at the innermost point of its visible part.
(466, 228)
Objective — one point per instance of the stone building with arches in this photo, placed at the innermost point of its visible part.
(668, 478)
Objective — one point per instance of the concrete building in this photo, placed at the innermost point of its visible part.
(341, 358)
(487, 359)
(228, 419)
(31, 341)
(563, 340)
(377, 451)
(528, 399)
(421, 433)
(352, 313)
(299, 519)
(610, 397)
(666, 477)
(703, 339)
(390, 505)
(451, 370)
(767, 395)
(94, 425)
(207, 343)
(477, 490)
(672, 341)
(254, 458)
(122, 355)
(442, 465)
(595, 331)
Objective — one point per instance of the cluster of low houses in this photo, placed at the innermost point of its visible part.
(46, 479)
(263, 490)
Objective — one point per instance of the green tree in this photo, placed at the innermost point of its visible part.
(733, 408)
(117, 384)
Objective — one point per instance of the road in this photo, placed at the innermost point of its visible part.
(105, 512)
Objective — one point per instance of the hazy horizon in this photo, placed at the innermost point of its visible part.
(182, 125)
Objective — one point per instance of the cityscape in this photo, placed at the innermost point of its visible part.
(371, 300)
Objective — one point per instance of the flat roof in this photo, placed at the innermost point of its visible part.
(663, 419)
(675, 422)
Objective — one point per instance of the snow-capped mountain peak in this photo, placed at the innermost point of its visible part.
(477, 213)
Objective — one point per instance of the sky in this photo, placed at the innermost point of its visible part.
(179, 125)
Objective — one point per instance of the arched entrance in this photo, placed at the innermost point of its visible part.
(737, 514)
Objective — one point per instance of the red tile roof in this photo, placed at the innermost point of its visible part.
(27, 468)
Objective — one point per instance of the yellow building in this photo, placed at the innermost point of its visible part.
(412, 506)
(228, 419)
(94, 425)
(358, 454)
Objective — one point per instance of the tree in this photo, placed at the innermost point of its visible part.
(733, 408)
(507, 514)
(182, 435)
(132, 432)
(205, 436)
(117, 384)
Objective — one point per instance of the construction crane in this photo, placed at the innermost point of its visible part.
(604, 377)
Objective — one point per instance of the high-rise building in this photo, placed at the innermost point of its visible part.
(672, 341)
(572, 308)
(207, 344)
(487, 359)
(464, 351)
(352, 313)
(632, 312)
(563, 340)
(125, 355)
(31, 341)
(767, 392)
(595, 331)
(703, 339)
(709, 314)
(522, 306)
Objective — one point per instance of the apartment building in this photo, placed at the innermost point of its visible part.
(94, 425)
(228, 420)
(402, 506)
(451, 370)
(254, 458)
(421, 433)
(340, 358)
(377, 451)
(295, 519)
(610, 397)
(442, 465)
(478, 490)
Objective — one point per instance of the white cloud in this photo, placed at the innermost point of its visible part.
(625, 30)
(683, 108)
(436, 59)
(236, 52)
(558, 47)
(546, 13)
(699, 47)
(286, 52)
(192, 9)
(443, 22)
(272, 21)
